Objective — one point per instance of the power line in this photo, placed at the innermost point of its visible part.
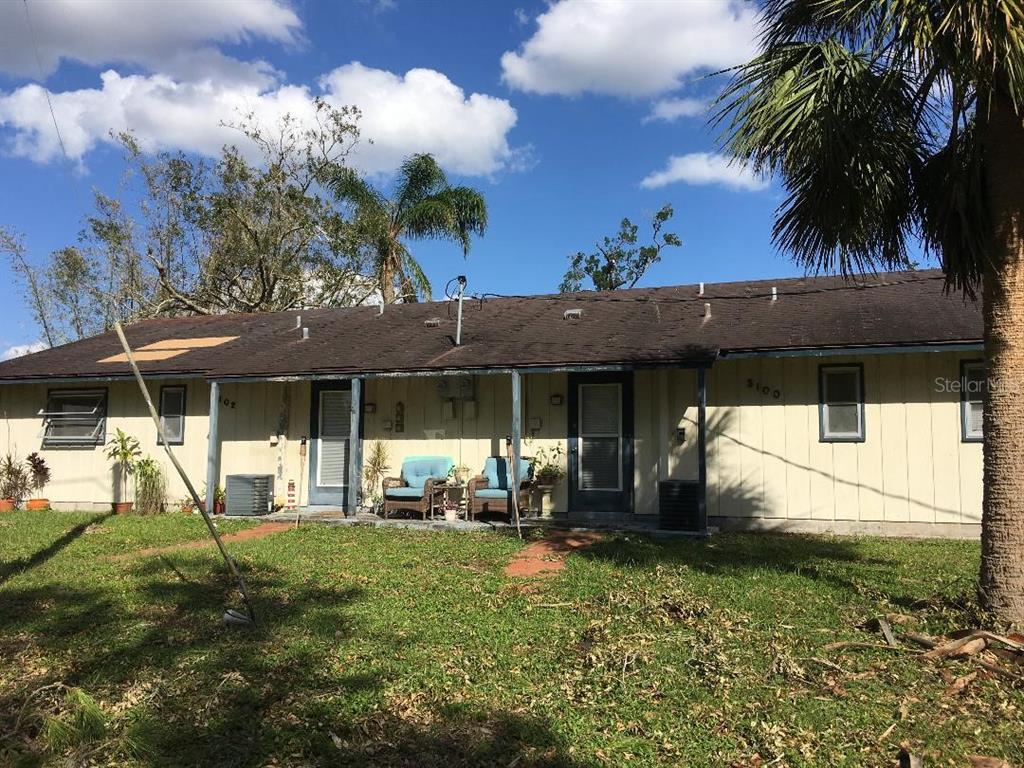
(42, 81)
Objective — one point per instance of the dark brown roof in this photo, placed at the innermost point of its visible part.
(643, 326)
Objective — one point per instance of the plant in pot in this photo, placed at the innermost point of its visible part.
(123, 450)
(150, 487)
(219, 500)
(15, 483)
(547, 465)
(39, 476)
(186, 505)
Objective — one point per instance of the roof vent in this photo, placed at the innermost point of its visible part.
(573, 314)
(305, 334)
(707, 310)
(432, 322)
(700, 291)
(298, 322)
(775, 293)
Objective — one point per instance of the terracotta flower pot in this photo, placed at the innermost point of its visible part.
(37, 504)
(122, 507)
(7, 505)
(218, 507)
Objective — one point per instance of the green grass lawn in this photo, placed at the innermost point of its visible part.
(390, 647)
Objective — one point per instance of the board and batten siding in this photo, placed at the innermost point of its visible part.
(912, 474)
(467, 438)
(253, 416)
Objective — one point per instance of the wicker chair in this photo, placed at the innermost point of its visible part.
(415, 489)
(488, 493)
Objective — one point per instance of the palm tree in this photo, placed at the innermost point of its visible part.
(888, 121)
(423, 205)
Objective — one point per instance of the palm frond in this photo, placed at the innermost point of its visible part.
(413, 276)
(955, 224)
(419, 177)
(455, 213)
(841, 132)
(352, 189)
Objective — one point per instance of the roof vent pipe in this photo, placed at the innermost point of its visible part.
(700, 292)
(707, 310)
(298, 322)
(458, 324)
(305, 334)
(775, 293)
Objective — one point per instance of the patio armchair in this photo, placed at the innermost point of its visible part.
(415, 489)
(489, 491)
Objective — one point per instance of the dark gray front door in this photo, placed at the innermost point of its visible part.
(601, 442)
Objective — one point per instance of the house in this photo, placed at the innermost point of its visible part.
(815, 404)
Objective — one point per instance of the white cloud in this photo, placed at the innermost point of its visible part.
(20, 350)
(630, 48)
(521, 16)
(705, 168)
(422, 111)
(163, 35)
(671, 110)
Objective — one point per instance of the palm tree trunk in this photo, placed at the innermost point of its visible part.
(387, 279)
(1002, 526)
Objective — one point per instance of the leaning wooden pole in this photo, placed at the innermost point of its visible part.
(200, 503)
(514, 490)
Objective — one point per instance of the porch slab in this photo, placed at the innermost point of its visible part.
(338, 518)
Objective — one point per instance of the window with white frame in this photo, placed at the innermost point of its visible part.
(972, 395)
(841, 403)
(75, 418)
(172, 414)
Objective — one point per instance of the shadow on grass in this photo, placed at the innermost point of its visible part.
(203, 694)
(13, 568)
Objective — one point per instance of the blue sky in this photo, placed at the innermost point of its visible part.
(557, 112)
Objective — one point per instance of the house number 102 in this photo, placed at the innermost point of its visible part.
(764, 389)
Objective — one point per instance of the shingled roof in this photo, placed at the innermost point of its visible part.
(642, 326)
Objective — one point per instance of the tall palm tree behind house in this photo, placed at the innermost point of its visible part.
(423, 205)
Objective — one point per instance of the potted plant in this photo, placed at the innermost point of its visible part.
(219, 500)
(547, 466)
(123, 450)
(186, 505)
(15, 483)
(39, 476)
(459, 474)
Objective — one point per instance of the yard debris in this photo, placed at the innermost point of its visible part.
(965, 646)
(959, 685)
(982, 761)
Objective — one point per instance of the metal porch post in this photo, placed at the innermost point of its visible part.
(213, 448)
(702, 446)
(517, 425)
(355, 454)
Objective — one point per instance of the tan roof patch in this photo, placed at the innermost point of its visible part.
(143, 355)
(196, 343)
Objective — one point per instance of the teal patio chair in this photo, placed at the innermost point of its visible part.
(489, 492)
(415, 489)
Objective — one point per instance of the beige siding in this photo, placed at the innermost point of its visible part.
(766, 464)
(766, 459)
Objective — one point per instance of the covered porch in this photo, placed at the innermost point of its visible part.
(614, 433)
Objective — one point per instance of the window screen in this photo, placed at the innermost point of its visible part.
(972, 394)
(75, 418)
(172, 414)
(842, 403)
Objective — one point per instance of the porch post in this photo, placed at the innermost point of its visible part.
(213, 448)
(355, 453)
(702, 446)
(517, 425)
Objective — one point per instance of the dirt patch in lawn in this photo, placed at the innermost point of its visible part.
(257, 532)
(546, 557)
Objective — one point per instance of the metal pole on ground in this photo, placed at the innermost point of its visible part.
(200, 504)
(515, 446)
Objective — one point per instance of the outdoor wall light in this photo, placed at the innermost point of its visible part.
(556, 399)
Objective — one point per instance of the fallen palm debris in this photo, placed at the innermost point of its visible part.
(986, 649)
